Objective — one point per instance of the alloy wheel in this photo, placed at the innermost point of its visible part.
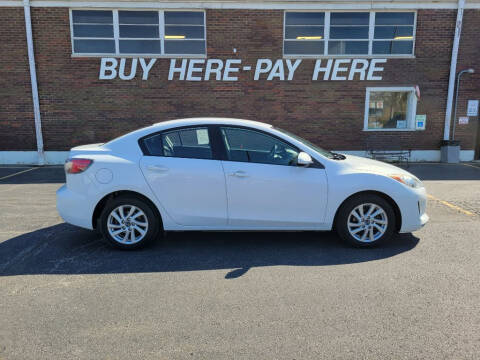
(367, 222)
(127, 224)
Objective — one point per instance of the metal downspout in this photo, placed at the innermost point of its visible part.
(453, 69)
(33, 81)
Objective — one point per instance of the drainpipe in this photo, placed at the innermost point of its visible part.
(33, 81)
(453, 69)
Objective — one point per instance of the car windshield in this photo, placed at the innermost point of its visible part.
(318, 149)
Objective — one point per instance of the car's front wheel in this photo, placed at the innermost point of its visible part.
(128, 222)
(365, 220)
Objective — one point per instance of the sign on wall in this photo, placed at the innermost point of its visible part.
(420, 122)
(230, 69)
(472, 108)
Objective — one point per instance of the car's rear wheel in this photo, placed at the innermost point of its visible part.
(365, 220)
(128, 222)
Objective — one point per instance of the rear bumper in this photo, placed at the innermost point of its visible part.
(74, 208)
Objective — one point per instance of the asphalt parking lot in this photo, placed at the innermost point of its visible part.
(66, 295)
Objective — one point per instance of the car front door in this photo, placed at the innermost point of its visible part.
(265, 187)
(180, 168)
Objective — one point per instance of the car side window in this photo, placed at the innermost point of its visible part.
(256, 147)
(193, 143)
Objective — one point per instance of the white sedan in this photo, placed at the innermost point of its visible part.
(228, 174)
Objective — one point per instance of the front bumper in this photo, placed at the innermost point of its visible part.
(413, 211)
(74, 208)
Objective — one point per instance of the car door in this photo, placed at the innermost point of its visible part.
(265, 187)
(181, 170)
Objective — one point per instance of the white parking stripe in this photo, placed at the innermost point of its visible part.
(18, 173)
(473, 166)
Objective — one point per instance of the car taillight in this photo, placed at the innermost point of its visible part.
(76, 166)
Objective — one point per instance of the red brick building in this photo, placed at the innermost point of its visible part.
(347, 75)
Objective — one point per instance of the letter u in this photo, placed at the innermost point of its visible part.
(133, 69)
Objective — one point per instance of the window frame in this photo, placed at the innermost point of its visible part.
(371, 33)
(411, 106)
(161, 30)
(118, 38)
(211, 138)
(223, 150)
(222, 140)
(219, 151)
(327, 40)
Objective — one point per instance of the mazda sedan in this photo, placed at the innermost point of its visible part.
(228, 174)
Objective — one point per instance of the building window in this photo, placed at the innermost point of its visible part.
(390, 108)
(344, 34)
(184, 32)
(122, 32)
(139, 32)
(348, 33)
(393, 33)
(304, 33)
(93, 32)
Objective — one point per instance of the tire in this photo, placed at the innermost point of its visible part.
(357, 230)
(143, 222)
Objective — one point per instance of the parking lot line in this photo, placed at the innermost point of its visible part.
(450, 205)
(473, 166)
(18, 173)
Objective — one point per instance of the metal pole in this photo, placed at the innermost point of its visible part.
(456, 103)
(33, 80)
(453, 69)
(470, 71)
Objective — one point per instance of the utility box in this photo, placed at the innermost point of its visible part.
(450, 151)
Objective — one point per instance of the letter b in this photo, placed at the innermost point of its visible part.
(108, 64)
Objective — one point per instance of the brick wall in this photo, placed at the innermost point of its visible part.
(17, 126)
(469, 57)
(78, 108)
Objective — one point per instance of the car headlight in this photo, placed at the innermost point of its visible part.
(410, 181)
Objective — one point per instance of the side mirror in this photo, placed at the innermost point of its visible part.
(304, 159)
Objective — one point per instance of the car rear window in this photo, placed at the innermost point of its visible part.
(193, 143)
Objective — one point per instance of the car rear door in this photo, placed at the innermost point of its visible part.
(265, 188)
(180, 168)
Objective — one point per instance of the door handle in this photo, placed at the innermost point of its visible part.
(239, 174)
(157, 168)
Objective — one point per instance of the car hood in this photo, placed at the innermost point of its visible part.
(362, 164)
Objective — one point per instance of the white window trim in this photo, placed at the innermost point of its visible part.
(371, 32)
(411, 106)
(116, 35)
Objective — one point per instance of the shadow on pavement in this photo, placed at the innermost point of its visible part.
(437, 171)
(37, 175)
(65, 249)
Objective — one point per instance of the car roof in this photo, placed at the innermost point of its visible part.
(122, 141)
(209, 121)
